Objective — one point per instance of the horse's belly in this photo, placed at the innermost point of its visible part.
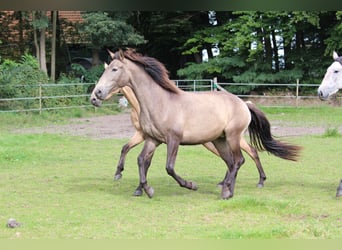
(194, 136)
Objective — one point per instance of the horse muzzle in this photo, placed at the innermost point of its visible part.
(322, 96)
(95, 101)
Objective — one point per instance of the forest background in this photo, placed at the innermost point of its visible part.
(234, 46)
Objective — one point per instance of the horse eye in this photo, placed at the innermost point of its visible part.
(114, 69)
(335, 71)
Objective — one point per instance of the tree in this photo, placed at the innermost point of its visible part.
(333, 39)
(40, 23)
(54, 15)
(103, 31)
(268, 46)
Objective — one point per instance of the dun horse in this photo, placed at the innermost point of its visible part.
(174, 117)
(138, 138)
(331, 84)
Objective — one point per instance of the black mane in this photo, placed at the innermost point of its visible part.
(152, 66)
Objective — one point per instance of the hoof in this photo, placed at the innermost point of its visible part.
(149, 191)
(226, 194)
(339, 190)
(138, 192)
(193, 186)
(260, 185)
(117, 177)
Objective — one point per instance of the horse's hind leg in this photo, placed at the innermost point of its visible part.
(252, 152)
(136, 139)
(231, 154)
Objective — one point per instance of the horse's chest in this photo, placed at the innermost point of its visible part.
(152, 129)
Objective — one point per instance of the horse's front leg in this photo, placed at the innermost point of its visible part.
(136, 139)
(144, 161)
(172, 149)
(139, 190)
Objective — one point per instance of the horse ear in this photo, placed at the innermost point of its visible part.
(105, 65)
(121, 55)
(335, 55)
(112, 55)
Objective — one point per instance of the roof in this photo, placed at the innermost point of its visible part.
(71, 16)
(68, 27)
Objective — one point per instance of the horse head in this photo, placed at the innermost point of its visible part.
(332, 80)
(112, 79)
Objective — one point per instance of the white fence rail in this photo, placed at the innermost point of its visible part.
(43, 97)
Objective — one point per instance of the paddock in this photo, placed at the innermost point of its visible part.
(57, 180)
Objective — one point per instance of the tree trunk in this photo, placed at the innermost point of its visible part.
(209, 50)
(35, 40)
(198, 57)
(95, 58)
(42, 53)
(287, 51)
(268, 48)
(275, 51)
(21, 33)
(53, 45)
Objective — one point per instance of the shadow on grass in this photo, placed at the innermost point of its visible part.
(163, 186)
(166, 186)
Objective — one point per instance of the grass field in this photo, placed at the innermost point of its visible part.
(62, 187)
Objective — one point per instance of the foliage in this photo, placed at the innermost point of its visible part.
(79, 74)
(166, 33)
(103, 31)
(22, 80)
(331, 132)
(25, 72)
(274, 46)
(270, 46)
(334, 41)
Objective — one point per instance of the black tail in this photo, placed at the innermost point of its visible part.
(260, 135)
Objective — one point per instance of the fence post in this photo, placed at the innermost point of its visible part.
(215, 84)
(40, 98)
(297, 92)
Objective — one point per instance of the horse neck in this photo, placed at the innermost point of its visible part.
(130, 96)
(150, 95)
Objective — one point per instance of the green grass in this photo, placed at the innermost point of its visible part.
(62, 187)
(323, 115)
(331, 132)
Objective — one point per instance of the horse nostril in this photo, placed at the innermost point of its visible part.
(320, 93)
(98, 93)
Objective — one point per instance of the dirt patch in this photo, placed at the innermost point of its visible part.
(102, 127)
(120, 126)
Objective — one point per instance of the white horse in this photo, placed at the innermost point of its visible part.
(331, 83)
(332, 80)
